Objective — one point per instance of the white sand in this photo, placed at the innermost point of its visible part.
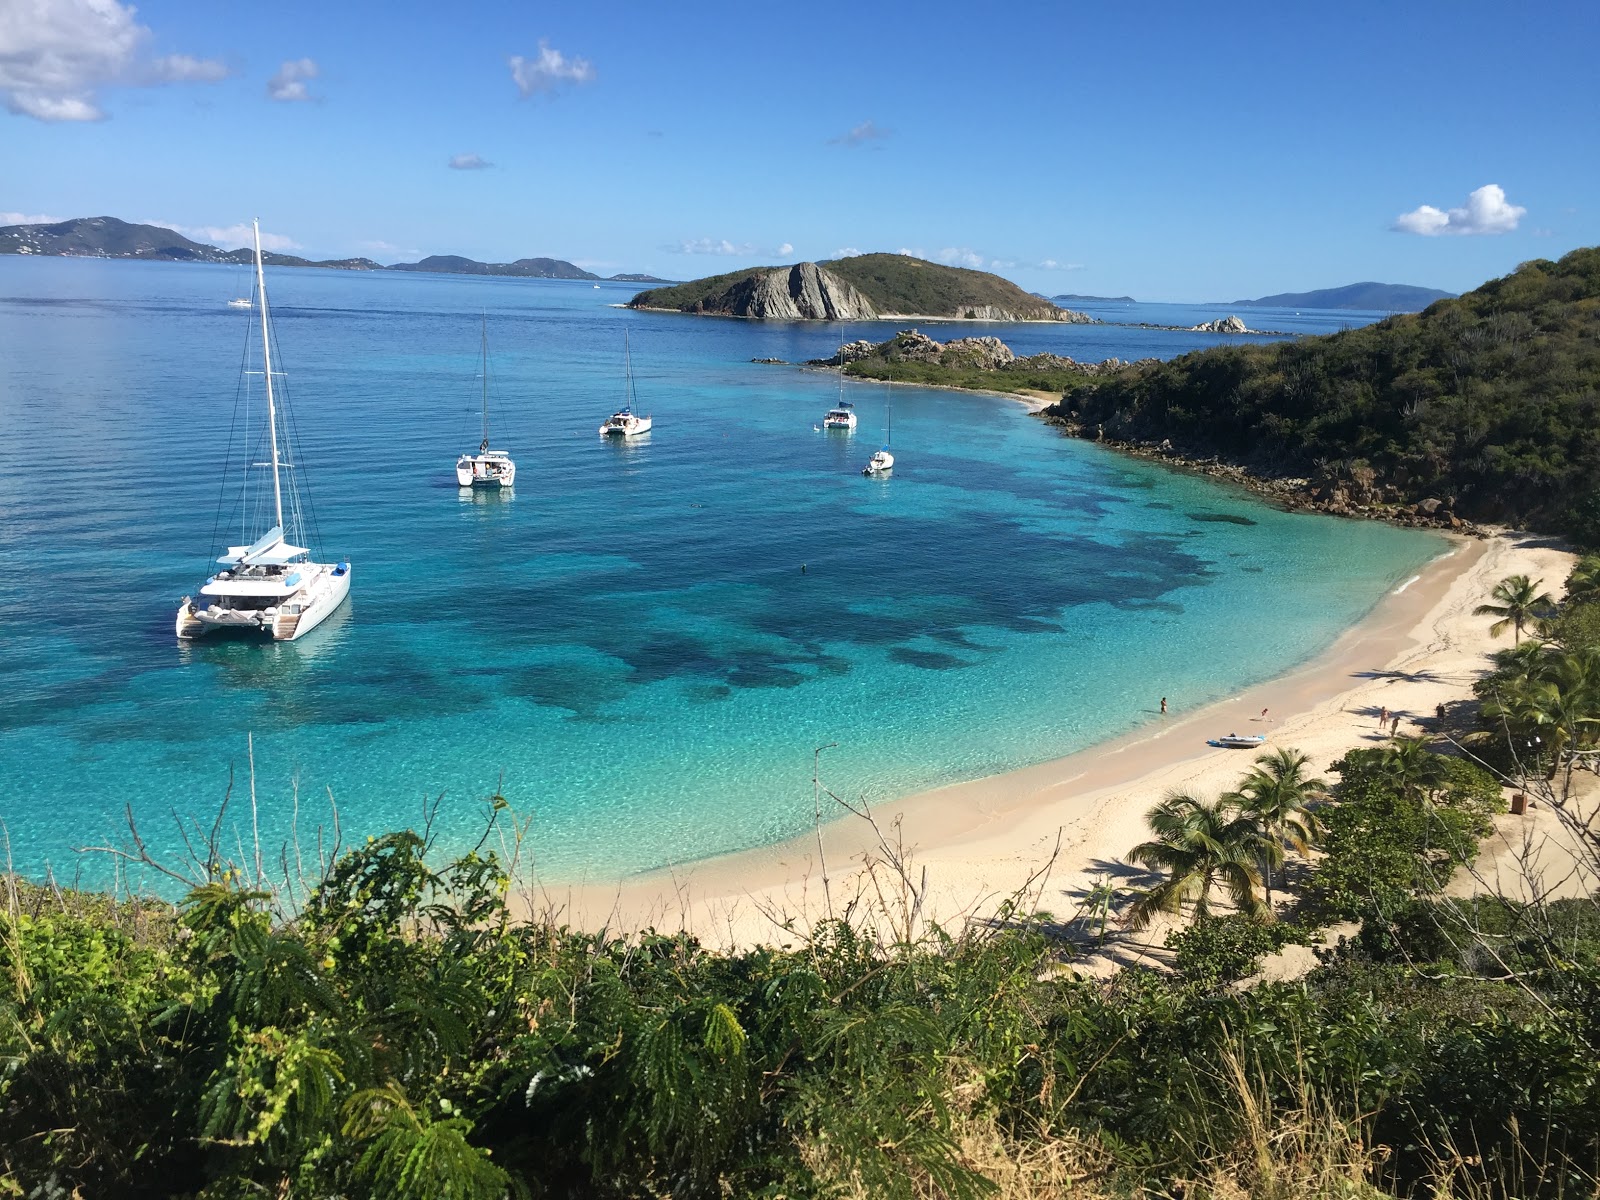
(971, 845)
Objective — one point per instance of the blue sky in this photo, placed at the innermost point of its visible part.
(1166, 151)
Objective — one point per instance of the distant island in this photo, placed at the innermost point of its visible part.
(107, 237)
(1367, 297)
(1072, 299)
(866, 287)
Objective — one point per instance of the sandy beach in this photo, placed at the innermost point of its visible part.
(1053, 829)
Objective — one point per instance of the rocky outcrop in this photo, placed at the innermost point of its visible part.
(1222, 325)
(803, 292)
(969, 353)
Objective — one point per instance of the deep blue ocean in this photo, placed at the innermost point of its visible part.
(642, 645)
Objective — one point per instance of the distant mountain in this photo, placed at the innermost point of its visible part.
(527, 268)
(1070, 299)
(107, 237)
(863, 288)
(1370, 297)
(639, 279)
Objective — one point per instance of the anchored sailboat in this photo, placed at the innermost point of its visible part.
(269, 586)
(625, 422)
(882, 461)
(486, 468)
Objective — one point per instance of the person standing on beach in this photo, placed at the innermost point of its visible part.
(1163, 706)
(1394, 729)
(1383, 717)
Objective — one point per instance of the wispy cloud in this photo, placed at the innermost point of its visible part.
(548, 71)
(56, 54)
(289, 83)
(1485, 211)
(961, 256)
(16, 218)
(1050, 264)
(230, 237)
(863, 134)
(784, 250)
(845, 252)
(469, 162)
(713, 246)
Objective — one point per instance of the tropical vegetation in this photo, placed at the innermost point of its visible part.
(1488, 403)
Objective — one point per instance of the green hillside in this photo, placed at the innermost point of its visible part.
(701, 293)
(1489, 402)
(898, 283)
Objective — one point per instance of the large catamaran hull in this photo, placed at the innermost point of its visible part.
(310, 608)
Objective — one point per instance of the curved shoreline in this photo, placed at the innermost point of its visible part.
(978, 842)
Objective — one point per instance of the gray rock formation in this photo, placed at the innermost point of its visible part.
(1222, 325)
(803, 292)
(984, 353)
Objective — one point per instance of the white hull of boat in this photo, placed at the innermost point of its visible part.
(881, 464)
(316, 604)
(630, 428)
(500, 473)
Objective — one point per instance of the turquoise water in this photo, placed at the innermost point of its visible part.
(644, 643)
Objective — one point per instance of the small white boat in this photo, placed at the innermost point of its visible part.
(843, 416)
(239, 302)
(487, 468)
(626, 423)
(269, 586)
(880, 462)
(1237, 741)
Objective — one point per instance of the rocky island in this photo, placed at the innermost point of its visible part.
(867, 287)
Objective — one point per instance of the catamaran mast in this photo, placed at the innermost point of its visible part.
(485, 446)
(627, 366)
(266, 365)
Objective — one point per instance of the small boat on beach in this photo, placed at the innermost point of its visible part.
(626, 423)
(1236, 741)
(269, 586)
(487, 468)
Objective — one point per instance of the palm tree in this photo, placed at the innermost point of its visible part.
(1412, 769)
(1274, 795)
(1520, 601)
(1584, 582)
(1199, 846)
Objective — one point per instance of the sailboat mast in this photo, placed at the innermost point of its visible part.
(485, 381)
(266, 367)
(627, 366)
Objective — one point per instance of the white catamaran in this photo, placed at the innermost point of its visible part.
(269, 586)
(487, 468)
(625, 422)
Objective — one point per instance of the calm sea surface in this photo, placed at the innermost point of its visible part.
(644, 643)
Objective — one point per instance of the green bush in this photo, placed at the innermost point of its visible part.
(1221, 950)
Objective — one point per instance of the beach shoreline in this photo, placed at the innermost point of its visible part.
(974, 844)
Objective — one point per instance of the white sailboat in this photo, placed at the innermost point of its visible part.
(487, 468)
(843, 414)
(882, 461)
(626, 423)
(269, 586)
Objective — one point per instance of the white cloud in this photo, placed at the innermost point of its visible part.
(961, 256)
(1050, 264)
(862, 134)
(290, 81)
(231, 237)
(1485, 211)
(469, 162)
(713, 246)
(845, 252)
(16, 218)
(185, 68)
(549, 71)
(54, 54)
(784, 250)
